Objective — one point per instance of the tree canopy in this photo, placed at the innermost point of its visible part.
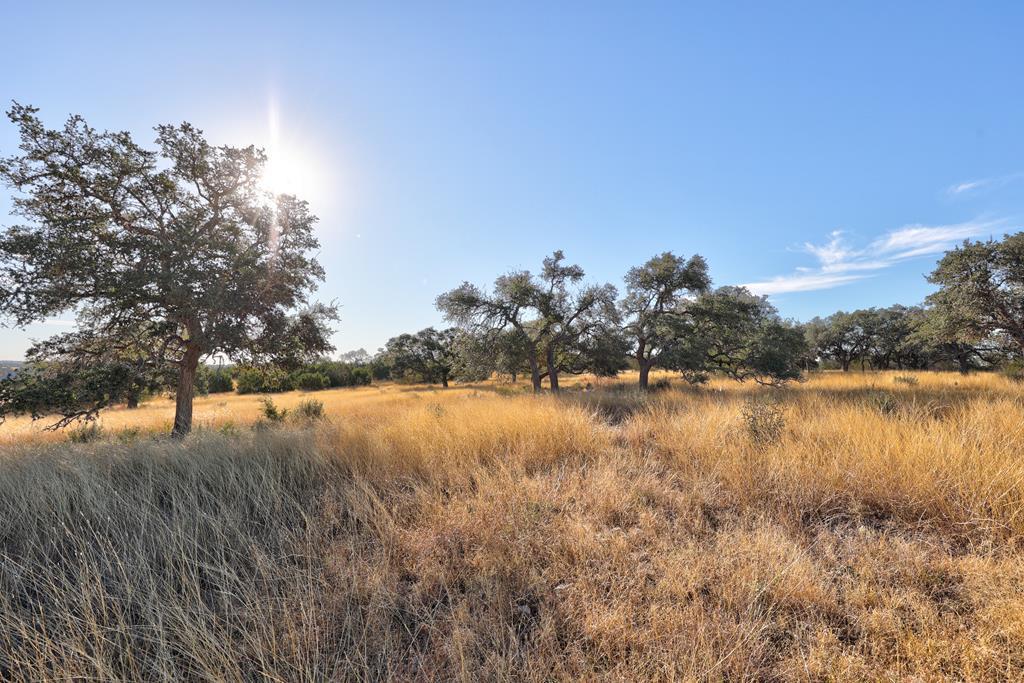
(168, 255)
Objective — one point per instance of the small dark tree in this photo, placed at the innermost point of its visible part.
(427, 356)
(172, 255)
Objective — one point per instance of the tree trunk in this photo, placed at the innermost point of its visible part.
(645, 373)
(444, 381)
(846, 364)
(964, 362)
(535, 371)
(133, 401)
(186, 390)
(552, 370)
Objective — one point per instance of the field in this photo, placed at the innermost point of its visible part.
(851, 527)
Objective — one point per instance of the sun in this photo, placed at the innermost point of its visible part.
(286, 173)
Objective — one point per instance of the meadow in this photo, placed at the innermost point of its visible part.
(850, 527)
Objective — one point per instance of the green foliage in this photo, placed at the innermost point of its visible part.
(262, 380)
(310, 381)
(980, 285)
(555, 319)
(429, 356)
(661, 384)
(736, 333)
(340, 374)
(169, 255)
(271, 412)
(653, 308)
(218, 381)
(74, 390)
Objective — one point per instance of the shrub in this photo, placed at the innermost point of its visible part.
(311, 381)
(884, 402)
(85, 433)
(765, 421)
(271, 411)
(219, 382)
(265, 380)
(310, 410)
(661, 384)
(1013, 371)
(129, 434)
(906, 380)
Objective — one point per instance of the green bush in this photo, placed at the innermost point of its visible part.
(219, 382)
(271, 411)
(263, 380)
(311, 381)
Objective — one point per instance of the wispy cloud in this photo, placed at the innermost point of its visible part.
(839, 263)
(971, 186)
(968, 186)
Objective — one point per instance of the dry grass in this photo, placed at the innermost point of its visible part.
(470, 535)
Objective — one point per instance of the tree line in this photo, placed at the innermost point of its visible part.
(669, 317)
(174, 255)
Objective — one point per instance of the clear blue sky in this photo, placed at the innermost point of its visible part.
(823, 152)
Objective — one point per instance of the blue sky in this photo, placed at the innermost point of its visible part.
(824, 153)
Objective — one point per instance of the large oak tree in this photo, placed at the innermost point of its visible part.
(168, 255)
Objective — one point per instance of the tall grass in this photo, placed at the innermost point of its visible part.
(465, 535)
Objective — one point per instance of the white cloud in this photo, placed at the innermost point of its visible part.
(968, 186)
(801, 282)
(989, 183)
(840, 264)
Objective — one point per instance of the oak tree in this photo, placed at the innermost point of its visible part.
(168, 255)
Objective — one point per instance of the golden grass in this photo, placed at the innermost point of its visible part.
(470, 535)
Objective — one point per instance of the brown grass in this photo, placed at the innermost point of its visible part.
(468, 535)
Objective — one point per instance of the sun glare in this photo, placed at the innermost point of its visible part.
(286, 171)
(284, 174)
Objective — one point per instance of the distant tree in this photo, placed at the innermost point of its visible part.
(739, 334)
(170, 255)
(510, 306)
(981, 291)
(548, 313)
(215, 380)
(944, 337)
(651, 308)
(428, 356)
(488, 352)
(574, 322)
(268, 379)
(357, 357)
(841, 337)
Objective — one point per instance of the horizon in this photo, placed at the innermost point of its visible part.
(824, 157)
